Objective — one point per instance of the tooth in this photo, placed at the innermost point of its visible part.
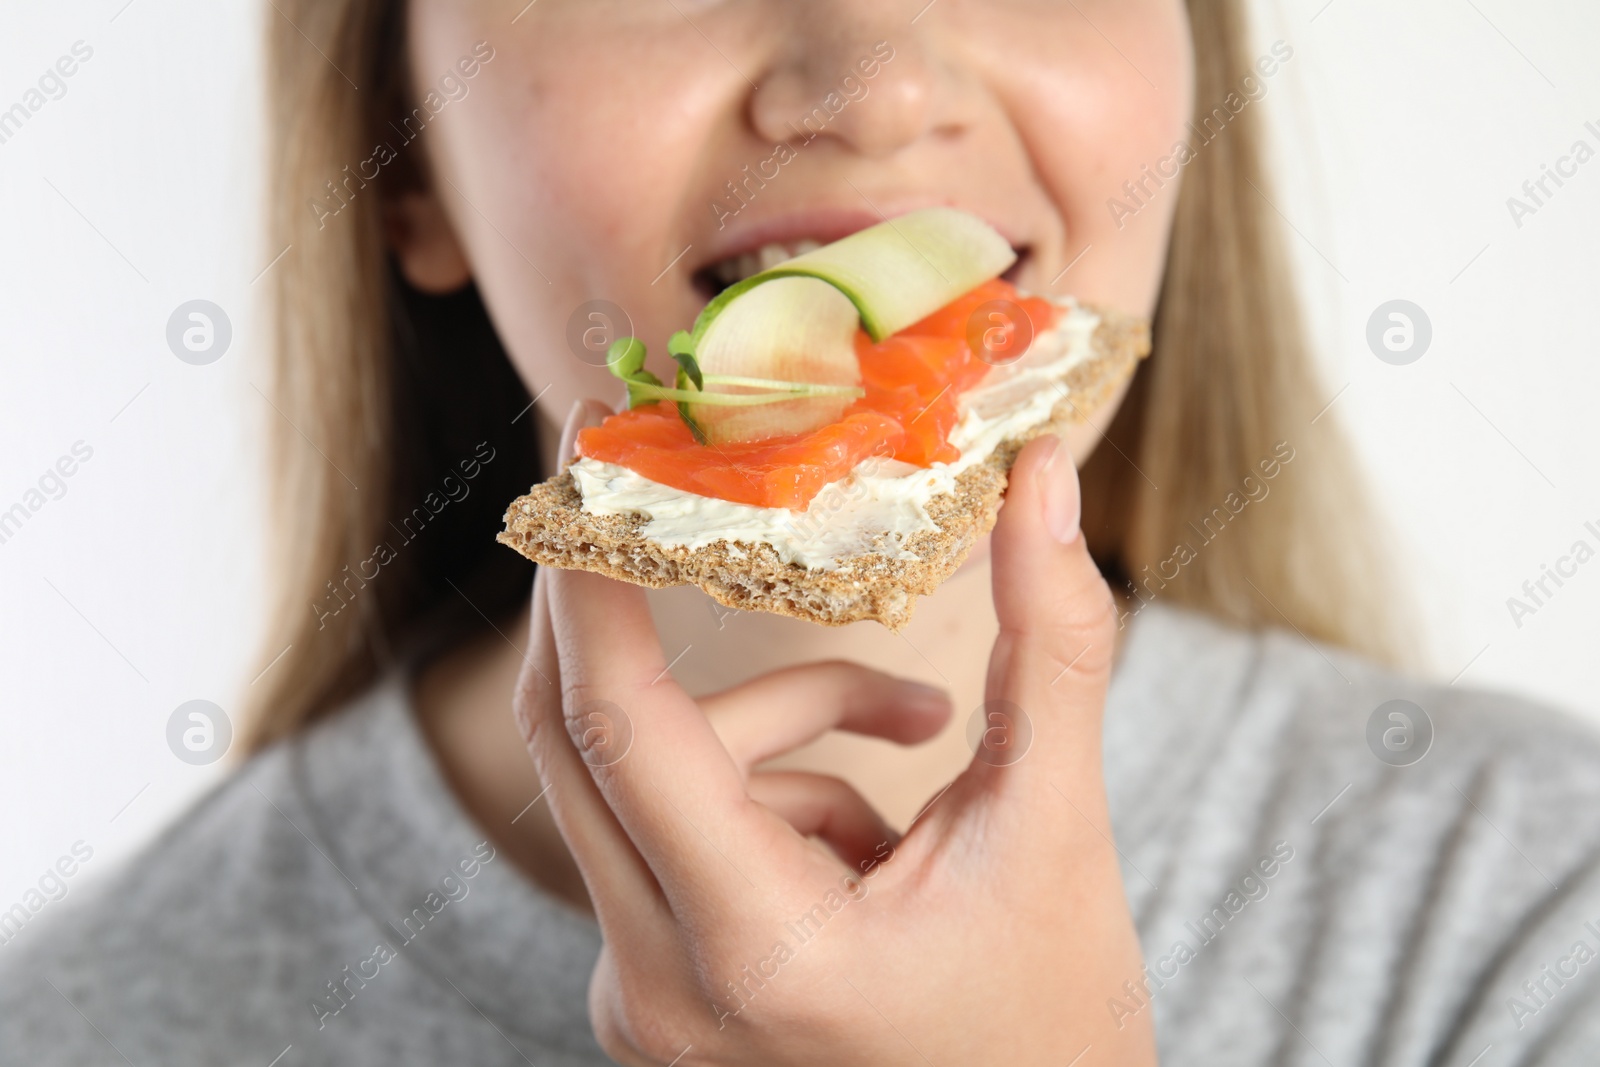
(771, 255)
(748, 264)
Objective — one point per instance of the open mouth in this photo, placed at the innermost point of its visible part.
(715, 277)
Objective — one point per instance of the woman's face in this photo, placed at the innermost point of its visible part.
(645, 152)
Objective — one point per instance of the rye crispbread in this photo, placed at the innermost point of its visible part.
(550, 527)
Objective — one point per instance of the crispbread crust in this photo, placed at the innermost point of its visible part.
(550, 527)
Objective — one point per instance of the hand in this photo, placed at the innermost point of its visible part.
(994, 932)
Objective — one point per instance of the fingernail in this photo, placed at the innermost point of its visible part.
(1058, 490)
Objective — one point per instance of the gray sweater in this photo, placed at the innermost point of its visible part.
(1300, 899)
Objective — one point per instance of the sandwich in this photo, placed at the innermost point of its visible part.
(838, 430)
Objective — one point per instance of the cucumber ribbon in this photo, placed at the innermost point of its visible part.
(775, 354)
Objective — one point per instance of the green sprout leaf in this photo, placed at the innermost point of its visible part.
(688, 369)
(680, 343)
(625, 358)
(643, 388)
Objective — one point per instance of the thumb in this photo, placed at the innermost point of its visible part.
(1058, 621)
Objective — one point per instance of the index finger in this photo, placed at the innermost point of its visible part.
(676, 791)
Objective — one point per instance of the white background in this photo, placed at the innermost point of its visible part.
(1402, 130)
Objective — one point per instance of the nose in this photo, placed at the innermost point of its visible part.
(845, 73)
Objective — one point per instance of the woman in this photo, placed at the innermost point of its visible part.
(1225, 843)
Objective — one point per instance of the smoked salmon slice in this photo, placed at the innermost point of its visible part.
(913, 381)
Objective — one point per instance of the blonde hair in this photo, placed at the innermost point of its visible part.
(1229, 385)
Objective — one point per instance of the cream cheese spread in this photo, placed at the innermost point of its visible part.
(880, 503)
